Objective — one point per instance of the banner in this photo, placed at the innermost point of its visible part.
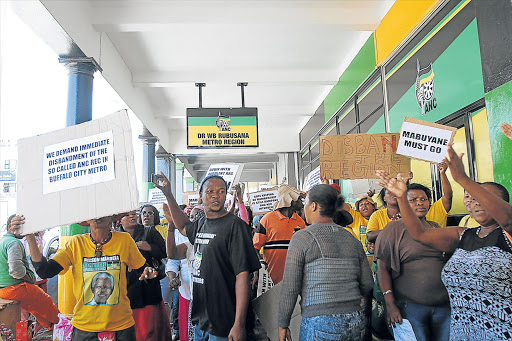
(312, 179)
(264, 201)
(78, 163)
(105, 181)
(358, 156)
(424, 140)
(231, 173)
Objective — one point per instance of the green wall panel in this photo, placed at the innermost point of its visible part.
(458, 81)
(359, 69)
(499, 104)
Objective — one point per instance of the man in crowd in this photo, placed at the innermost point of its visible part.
(17, 280)
(223, 260)
(88, 255)
(276, 228)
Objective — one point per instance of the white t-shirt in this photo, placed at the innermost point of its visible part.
(172, 265)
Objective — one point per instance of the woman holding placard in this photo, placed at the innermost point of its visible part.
(478, 276)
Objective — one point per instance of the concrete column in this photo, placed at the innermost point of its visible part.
(79, 110)
(179, 182)
(148, 161)
(166, 163)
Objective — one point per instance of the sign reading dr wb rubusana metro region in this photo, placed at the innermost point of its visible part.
(222, 127)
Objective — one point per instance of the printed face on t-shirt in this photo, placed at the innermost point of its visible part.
(101, 277)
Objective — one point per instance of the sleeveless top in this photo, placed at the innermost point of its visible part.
(478, 278)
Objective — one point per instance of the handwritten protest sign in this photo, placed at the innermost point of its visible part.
(263, 201)
(78, 163)
(47, 193)
(358, 156)
(229, 172)
(424, 140)
(190, 198)
(312, 179)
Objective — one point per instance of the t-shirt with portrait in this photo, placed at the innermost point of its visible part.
(222, 250)
(99, 283)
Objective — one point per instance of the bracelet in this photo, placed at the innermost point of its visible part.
(387, 292)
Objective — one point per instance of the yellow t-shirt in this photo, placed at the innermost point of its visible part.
(162, 230)
(380, 219)
(105, 307)
(359, 224)
(468, 222)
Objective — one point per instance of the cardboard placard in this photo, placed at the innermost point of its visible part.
(77, 163)
(264, 281)
(190, 198)
(358, 156)
(424, 140)
(67, 205)
(263, 201)
(156, 197)
(231, 172)
(312, 179)
(266, 307)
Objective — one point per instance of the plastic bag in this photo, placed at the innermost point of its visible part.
(62, 331)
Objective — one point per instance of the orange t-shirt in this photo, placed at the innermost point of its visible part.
(274, 235)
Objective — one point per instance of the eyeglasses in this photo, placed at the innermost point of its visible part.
(147, 213)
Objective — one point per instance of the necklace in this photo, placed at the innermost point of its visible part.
(99, 245)
(480, 229)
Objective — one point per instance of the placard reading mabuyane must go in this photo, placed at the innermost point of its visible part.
(424, 140)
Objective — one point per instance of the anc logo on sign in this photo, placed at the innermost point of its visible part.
(425, 88)
(223, 122)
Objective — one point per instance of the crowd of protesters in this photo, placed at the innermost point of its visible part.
(395, 272)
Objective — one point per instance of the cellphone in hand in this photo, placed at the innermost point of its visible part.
(154, 179)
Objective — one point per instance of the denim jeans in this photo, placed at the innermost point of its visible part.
(341, 327)
(201, 335)
(127, 334)
(430, 323)
(175, 310)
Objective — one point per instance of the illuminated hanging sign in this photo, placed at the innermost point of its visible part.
(222, 127)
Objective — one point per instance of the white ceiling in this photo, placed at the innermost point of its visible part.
(291, 53)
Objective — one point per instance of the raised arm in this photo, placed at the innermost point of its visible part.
(441, 239)
(178, 216)
(173, 251)
(496, 207)
(447, 197)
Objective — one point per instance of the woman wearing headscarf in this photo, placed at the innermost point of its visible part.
(151, 319)
(328, 268)
(478, 276)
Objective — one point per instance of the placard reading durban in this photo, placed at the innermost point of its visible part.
(81, 153)
(425, 138)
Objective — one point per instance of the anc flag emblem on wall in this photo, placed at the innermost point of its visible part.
(424, 85)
